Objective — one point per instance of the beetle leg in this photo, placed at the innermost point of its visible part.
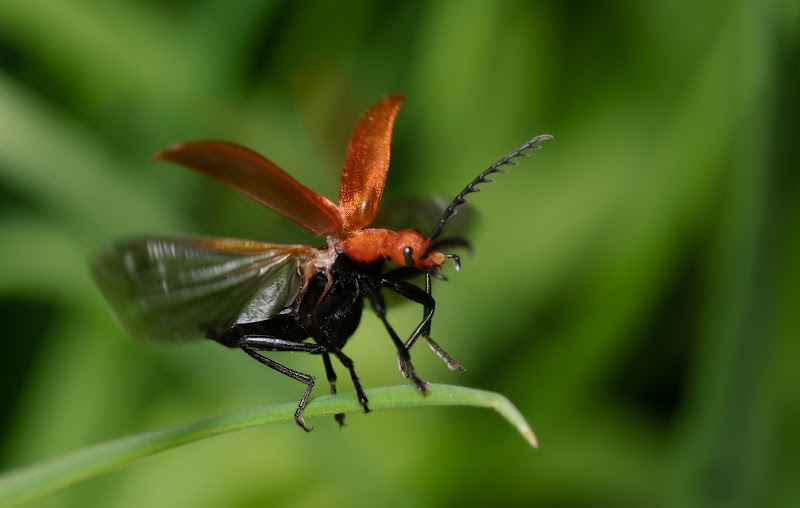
(312, 324)
(250, 344)
(415, 294)
(403, 355)
(451, 362)
(326, 359)
(425, 299)
(428, 289)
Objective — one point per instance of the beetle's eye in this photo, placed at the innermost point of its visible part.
(408, 256)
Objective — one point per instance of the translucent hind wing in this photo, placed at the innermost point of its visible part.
(166, 289)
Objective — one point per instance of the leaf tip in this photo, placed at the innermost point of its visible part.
(529, 436)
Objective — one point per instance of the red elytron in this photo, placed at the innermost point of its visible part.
(266, 297)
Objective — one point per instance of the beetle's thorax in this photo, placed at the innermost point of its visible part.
(367, 245)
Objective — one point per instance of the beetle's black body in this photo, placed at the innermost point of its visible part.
(329, 316)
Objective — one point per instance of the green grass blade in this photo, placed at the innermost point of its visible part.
(38, 480)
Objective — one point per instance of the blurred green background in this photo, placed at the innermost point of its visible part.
(634, 288)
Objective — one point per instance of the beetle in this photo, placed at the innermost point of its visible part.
(263, 297)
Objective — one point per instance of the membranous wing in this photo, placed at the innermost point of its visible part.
(170, 289)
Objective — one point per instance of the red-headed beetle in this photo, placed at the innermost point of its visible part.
(267, 297)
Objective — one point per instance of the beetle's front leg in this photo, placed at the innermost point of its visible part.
(403, 356)
(424, 298)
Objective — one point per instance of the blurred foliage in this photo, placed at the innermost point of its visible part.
(635, 284)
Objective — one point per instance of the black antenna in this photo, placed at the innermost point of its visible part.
(508, 160)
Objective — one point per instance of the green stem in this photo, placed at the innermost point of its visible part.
(38, 480)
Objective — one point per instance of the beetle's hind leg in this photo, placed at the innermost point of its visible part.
(250, 344)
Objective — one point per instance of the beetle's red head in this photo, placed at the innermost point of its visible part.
(409, 247)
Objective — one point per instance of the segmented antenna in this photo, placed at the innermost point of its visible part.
(508, 160)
